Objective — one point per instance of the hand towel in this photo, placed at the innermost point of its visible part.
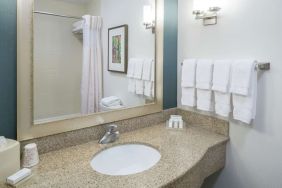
(139, 87)
(241, 76)
(147, 68)
(221, 75)
(204, 100)
(153, 65)
(138, 69)
(189, 73)
(131, 85)
(131, 68)
(245, 106)
(222, 103)
(153, 89)
(148, 88)
(188, 96)
(204, 72)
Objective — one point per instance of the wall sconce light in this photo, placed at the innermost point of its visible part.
(206, 10)
(209, 17)
(149, 18)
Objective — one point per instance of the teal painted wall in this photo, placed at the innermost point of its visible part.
(8, 51)
(170, 54)
(8, 36)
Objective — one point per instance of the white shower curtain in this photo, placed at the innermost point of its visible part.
(91, 82)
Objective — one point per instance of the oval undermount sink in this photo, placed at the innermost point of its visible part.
(125, 159)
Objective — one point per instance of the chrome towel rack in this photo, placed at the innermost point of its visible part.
(264, 66)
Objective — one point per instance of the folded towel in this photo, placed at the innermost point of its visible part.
(241, 76)
(131, 85)
(204, 100)
(204, 72)
(147, 68)
(245, 106)
(139, 87)
(148, 88)
(78, 23)
(221, 75)
(131, 68)
(189, 73)
(153, 65)
(138, 68)
(111, 101)
(188, 96)
(222, 103)
(153, 89)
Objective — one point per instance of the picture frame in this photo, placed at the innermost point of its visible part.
(118, 49)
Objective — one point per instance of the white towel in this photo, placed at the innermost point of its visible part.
(245, 106)
(131, 85)
(148, 88)
(204, 100)
(139, 87)
(221, 75)
(188, 96)
(241, 76)
(78, 26)
(153, 89)
(131, 68)
(221, 84)
(204, 74)
(189, 73)
(147, 68)
(111, 101)
(138, 68)
(153, 71)
(78, 23)
(222, 103)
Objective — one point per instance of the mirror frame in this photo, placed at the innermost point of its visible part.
(25, 128)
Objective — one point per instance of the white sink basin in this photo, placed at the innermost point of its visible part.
(125, 159)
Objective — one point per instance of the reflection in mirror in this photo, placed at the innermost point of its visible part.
(91, 56)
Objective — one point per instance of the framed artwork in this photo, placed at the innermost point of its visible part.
(118, 49)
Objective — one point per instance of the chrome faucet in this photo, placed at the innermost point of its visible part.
(110, 136)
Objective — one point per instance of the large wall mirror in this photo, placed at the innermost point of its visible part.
(87, 62)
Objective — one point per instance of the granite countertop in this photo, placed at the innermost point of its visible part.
(180, 152)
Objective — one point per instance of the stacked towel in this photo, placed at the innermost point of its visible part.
(189, 73)
(78, 26)
(221, 83)
(244, 89)
(241, 76)
(188, 83)
(204, 72)
(111, 101)
(130, 75)
(138, 69)
(141, 76)
(148, 76)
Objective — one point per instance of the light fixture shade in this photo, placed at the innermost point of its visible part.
(205, 4)
(147, 14)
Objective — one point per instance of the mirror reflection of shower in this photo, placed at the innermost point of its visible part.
(75, 72)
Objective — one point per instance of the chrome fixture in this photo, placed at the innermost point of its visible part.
(209, 16)
(110, 136)
(58, 15)
(263, 66)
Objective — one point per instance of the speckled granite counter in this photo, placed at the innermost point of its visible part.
(187, 158)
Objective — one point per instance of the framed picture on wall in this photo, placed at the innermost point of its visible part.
(118, 49)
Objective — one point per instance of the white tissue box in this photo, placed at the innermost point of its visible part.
(9, 159)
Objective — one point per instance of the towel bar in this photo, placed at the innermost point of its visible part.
(259, 65)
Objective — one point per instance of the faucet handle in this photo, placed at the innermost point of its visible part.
(112, 128)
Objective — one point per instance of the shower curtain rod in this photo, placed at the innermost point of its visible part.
(58, 15)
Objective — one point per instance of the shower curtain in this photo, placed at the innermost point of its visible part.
(91, 82)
